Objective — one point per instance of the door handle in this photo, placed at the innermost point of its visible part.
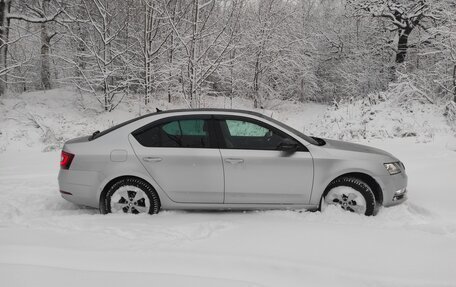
(152, 159)
(234, 160)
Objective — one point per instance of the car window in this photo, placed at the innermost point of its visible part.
(191, 133)
(186, 128)
(245, 134)
(245, 129)
(172, 128)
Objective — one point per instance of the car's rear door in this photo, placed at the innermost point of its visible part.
(256, 171)
(181, 156)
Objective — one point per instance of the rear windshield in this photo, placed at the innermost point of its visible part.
(98, 134)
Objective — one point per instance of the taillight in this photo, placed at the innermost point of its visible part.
(66, 159)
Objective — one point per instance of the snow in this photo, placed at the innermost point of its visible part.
(46, 241)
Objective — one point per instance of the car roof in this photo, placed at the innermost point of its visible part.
(160, 112)
(208, 110)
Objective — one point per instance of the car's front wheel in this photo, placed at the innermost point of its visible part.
(130, 195)
(350, 194)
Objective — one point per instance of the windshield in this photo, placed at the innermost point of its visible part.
(298, 133)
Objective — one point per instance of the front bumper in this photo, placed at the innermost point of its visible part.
(400, 195)
(394, 188)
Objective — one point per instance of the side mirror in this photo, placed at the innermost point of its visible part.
(288, 145)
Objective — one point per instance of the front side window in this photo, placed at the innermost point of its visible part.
(245, 129)
(190, 133)
(246, 134)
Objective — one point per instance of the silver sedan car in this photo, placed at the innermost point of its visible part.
(224, 159)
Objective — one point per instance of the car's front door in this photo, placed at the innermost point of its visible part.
(256, 169)
(181, 156)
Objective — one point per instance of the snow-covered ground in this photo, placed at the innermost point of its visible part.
(46, 241)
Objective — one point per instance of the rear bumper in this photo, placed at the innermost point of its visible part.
(79, 187)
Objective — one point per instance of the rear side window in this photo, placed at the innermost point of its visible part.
(191, 133)
(186, 127)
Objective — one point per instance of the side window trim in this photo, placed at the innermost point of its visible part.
(222, 143)
(213, 141)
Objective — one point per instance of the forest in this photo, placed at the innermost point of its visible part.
(367, 89)
(302, 50)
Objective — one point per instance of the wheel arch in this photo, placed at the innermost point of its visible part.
(112, 181)
(369, 180)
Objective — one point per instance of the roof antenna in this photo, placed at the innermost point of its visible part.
(158, 110)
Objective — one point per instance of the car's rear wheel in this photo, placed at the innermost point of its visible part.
(130, 195)
(350, 194)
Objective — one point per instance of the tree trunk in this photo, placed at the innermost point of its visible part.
(256, 94)
(5, 6)
(80, 46)
(173, 5)
(127, 72)
(192, 58)
(232, 57)
(454, 83)
(108, 80)
(256, 83)
(170, 61)
(402, 45)
(148, 25)
(44, 57)
(146, 51)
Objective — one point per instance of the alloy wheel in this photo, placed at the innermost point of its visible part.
(347, 198)
(129, 199)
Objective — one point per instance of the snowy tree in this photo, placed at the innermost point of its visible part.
(41, 12)
(272, 63)
(103, 51)
(205, 43)
(260, 50)
(154, 17)
(353, 59)
(447, 44)
(403, 15)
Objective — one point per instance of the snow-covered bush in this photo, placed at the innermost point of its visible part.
(44, 120)
(402, 111)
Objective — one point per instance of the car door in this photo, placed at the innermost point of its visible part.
(256, 170)
(181, 156)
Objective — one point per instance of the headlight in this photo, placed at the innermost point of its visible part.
(393, 167)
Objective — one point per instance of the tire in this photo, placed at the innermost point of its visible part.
(350, 194)
(130, 195)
